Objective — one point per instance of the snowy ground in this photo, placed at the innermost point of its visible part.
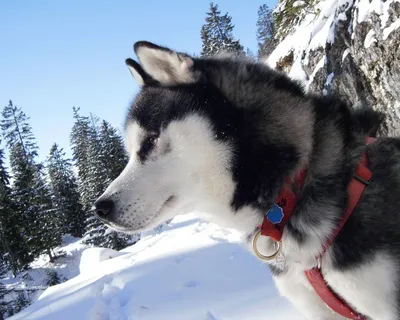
(33, 281)
(191, 270)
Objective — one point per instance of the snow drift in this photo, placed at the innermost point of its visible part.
(191, 270)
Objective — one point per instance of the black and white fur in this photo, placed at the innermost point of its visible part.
(218, 136)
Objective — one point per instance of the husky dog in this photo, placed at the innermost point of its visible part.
(219, 135)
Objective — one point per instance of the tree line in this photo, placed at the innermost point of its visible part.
(217, 34)
(46, 200)
(40, 202)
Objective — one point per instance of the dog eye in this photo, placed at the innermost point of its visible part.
(147, 145)
(152, 140)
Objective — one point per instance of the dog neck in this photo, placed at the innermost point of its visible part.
(328, 153)
(276, 218)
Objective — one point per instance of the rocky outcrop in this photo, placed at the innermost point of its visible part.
(348, 48)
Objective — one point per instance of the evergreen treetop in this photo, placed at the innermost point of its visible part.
(217, 33)
(265, 31)
(66, 199)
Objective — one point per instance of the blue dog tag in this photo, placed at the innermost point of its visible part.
(275, 214)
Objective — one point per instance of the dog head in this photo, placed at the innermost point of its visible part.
(192, 144)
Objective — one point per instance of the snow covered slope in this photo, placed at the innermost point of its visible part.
(191, 270)
(32, 282)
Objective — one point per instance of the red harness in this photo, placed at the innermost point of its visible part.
(287, 199)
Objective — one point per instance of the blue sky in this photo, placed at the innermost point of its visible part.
(59, 54)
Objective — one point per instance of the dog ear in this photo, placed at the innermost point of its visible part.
(164, 65)
(137, 72)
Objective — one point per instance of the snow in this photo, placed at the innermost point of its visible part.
(33, 281)
(328, 82)
(329, 79)
(314, 31)
(297, 72)
(395, 25)
(298, 3)
(323, 30)
(381, 8)
(90, 257)
(365, 8)
(397, 108)
(191, 270)
(369, 38)
(319, 65)
(342, 7)
(345, 53)
(385, 14)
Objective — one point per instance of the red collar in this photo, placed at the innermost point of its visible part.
(284, 206)
(276, 219)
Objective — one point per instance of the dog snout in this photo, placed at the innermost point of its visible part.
(104, 208)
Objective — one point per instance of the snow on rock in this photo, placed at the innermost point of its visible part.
(319, 66)
(192, 270)
(328, 83)
(297, 72)
(366, 7)
(298, 3)
(92, 256)
(387, 31)
(379, 7)
(313, 32)
(345, 53)
(397, 108)
(316, 37)
(369, 38)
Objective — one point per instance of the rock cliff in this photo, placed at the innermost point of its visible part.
(350, 48)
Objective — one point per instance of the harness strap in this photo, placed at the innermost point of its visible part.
(361, 179)
(276, 219)
(331, 299)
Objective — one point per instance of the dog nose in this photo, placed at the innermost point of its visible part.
(103, 208)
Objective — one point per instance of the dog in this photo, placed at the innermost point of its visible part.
(220, 135)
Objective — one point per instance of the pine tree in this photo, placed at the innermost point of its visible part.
(217, 34)
(113, 156)
(114, 159)
(52, 278)
(49, 225)
(80, 142)
(96, 182)
(83, 152)
(3, 290)
(99, 156)
(98, 179)
(265, 31)
(10, 225)
(23, 171)
(3, 302)
(21, 302)
(86, 148)
(66, 200)
(250, 54)
(30, 192)
(22, 148)
(107, 160)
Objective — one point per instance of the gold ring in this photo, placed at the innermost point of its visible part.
(259, 254)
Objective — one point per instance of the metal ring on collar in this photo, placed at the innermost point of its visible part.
(259, 254)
